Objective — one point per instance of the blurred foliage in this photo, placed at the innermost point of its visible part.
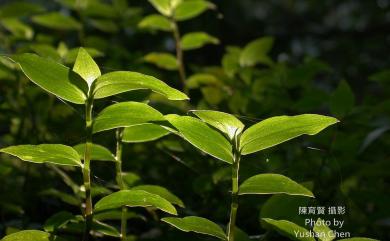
(254, 59)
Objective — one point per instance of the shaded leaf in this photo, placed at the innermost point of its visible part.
(256, 52)
(115, 215)
(197, 80)
(45, 153)
(165, 7)
(156, 22)
(98, 152)
(86, 67)
(143, 133)
(197, 225)
(19, 9)
(31, 235)
(47, 51)
(104, 25)
(57, 221)
(162, 192)
(276, 130)
(342, 100)
(191, 8)
(121, 81)
(197, 40)
(51, 76)
(224, 122)
(202, 136)
(105, 229)
(18, 28)
(287, 229)
(272, 184)
(57, 21)
(162, 60)
(134, 198)
(125, 114)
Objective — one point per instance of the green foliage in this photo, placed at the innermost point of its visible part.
(162, 192)
(197, 225)
(143, 133)
(287, 229)
(98, 152)
(197, 40)
(31, 235)
(162, 60)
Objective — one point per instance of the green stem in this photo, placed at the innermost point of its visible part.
(119, 179)
(179, 55)
(234, 198)
(86, 169)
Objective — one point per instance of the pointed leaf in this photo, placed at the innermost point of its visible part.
(45, 153)
(18, 28)
(19, 9)
(57, 221)
(288, 229)
(191, 8)
(162, 192)
(56, 20)
(86, 67)
(279, 129)
(224, 122)
(163, 6)
(342, 100)
(156, 22)
(121, 81)
(272, 184)
(162, 60)
(197, 40)
(52, 77)
(256, 52)
(134, 198)
(31, 235)
(143, 133)
(105, 229)
(202, 136)
(324, 233)
(197, 225)
(125, 114)
(98, 152)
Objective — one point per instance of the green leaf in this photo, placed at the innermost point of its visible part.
(156, 22)
(342, 100)
(125, 114)
(162, 192)
(358, 239)
(45, 153)
(31, 235)
(63, 196)
(46, 50)
(18, 28)
(57, 221)
(202, 79)
(324, 233)
(86, 67)
(224, 122)
(191, 8)
(115, 215)
(130, 178)
(98, 152)
(105, 229)
(197, 225)
(202, 136)
(121, 81)
(57, 21)
(51, 76)
(163, 6)
(134, 198)
(71, 56)
(272, 184)
(256, 52)
(143, 133)
(107, 26)
(19, 9)
(276, 130)
(162, 60)
(197, 40)
(288, 229)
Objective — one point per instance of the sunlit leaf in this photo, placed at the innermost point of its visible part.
(98, 152)
(46, 50)
(121, 81)
(143, 133)
(45, 153)
(276, 130)
(125, 114)
(288, 229)
(162, 60)
(197, 225)
(202, 136)
(197, 40)
(190, 9)
(134, 198)
(156, 22)
(52, 77)
(323, 231)
(31, 235)
(273, 184)
(162, 192)
(86, 67)
(224, 122)
(256, 52)
(56, 20)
